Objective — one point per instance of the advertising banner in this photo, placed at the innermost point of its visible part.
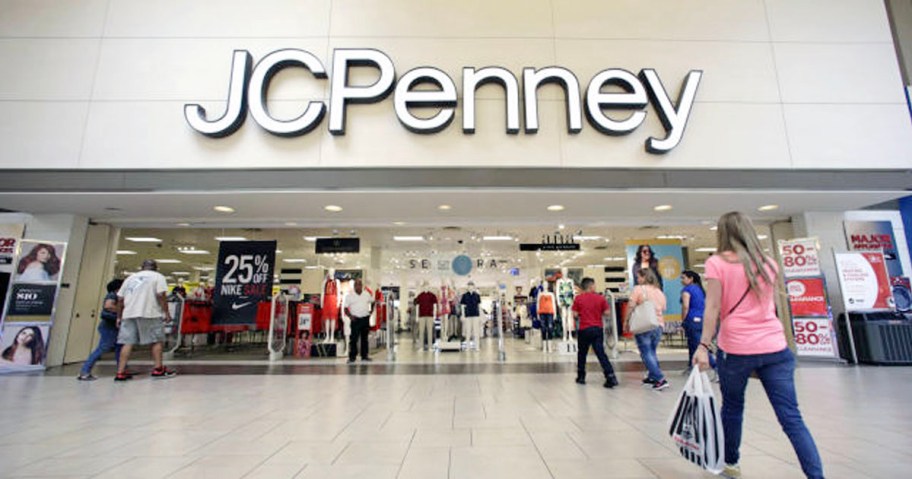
(807, 297)
(864, 282)
(29, 310)
(815, 337)
(10, 234)
(799, 257)
(875, 236)
(243, 279)
(666, 259)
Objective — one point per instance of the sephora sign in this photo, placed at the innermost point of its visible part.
(629, 97)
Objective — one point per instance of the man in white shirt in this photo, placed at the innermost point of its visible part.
(358, 304)
(141, 309)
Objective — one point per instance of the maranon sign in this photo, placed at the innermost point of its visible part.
(249, 88)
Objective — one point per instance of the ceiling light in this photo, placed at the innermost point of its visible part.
(699, 265)
(310, 238)
(223, 209)
(125, 251)
(230, 238)
(556, 208)
(662, 208)
(312, 267)
(183, 224)
(677, 237)
(167, 261)
(295, 260)
(194, 251)
(290, 223)
(595, 266)
(333, 208)
(408, 238)
(497, 238)
(399, 223)
(714, 228)
(204, 268)
(444, 207)
(615, 258)
(768, 208)
(143, 239)
(181, 273)
(762, 237)
(586, 238)
(278, 251)
(705, 250)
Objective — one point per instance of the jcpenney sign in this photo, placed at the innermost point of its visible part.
(249, 89)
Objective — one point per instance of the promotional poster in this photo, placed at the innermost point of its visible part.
(666, 259)
(23, 347)
(815, 337)
(35, 282)
(864, 282)
(799, 257)
(243, 279)
(875, 236)
(807, 297)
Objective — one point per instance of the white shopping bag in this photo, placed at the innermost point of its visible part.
(695, 424)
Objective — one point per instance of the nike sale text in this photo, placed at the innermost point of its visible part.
(244, 290)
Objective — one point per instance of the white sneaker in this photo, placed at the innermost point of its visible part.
(731, 471)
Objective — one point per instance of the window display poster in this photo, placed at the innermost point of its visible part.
(864, 282)
(815, 337)
(35, 282)
(39, 262)
(23, 347)
(799, 257)
(243, 279)
(807, 297)
(666, 258)
(875, 236)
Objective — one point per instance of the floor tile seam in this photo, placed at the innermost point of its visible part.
(266, 459)
(208, 443)
(405, 455)
(341, 452)
(363, 410)
(185, 466)
(585, 454)
(122, 446)
(114, 466)
(450, 462)
(537, 449)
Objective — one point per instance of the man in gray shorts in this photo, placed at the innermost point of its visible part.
(142, 307)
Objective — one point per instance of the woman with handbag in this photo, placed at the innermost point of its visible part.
(645, 320)
(741, 281)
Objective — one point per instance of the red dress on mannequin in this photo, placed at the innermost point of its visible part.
(379, 310)
(330, 301)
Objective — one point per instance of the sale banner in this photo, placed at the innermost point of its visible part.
(875, 236)
(243, 279)
(10, 234)
(799, 257)
(864, 281)
(815, 337)
(807, 297)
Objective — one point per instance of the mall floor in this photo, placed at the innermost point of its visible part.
(520, 420)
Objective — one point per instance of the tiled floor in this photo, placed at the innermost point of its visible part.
(352, 423)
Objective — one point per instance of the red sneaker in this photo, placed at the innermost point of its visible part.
(163, 373)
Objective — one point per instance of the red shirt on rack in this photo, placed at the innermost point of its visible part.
(591, 307)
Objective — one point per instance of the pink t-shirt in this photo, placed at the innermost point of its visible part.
(641, 292)
(753, 327)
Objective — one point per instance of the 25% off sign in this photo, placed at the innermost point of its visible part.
(247, 275)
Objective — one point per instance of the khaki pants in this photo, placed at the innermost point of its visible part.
(473, 329)
(425, 331)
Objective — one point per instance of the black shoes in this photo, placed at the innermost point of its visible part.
(611, 381)
(366, 360)
(580, 380)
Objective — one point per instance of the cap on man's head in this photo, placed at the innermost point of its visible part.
(150, 264)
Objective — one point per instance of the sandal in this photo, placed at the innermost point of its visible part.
(86, 377)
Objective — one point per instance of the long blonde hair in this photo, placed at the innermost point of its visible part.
(736, 233)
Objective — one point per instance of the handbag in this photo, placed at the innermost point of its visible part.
(643, 318)
(695, 424)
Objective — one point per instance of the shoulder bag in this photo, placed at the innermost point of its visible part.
(643, 318)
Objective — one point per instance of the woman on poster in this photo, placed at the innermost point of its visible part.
(646, 258)
(27, 347)
(40, 265)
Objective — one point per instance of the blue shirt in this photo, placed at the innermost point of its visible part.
(697, 302)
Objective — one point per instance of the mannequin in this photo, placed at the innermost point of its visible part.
(444, 310)
(533, 298)
(427, 311)
(547, 307)
(565, 295)
(331, 302)
(346, 288)
(470, 309)
(379, 310)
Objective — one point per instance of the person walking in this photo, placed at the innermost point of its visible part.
(693, 301)
(647, 289)
(358, 305)
(590, 308)
(141, 309)
(107, 332)
(741, 286)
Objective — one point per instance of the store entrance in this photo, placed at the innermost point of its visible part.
(443, 295)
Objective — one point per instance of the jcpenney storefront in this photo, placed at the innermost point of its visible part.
(126, 115)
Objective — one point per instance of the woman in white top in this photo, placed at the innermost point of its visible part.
(647, 288)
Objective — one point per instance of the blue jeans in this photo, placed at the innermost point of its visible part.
(648, 343)
(547, 326)
(693, 332)
(777, 374)
(107, 341)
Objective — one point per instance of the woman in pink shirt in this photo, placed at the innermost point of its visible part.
(741, 284)
(648, 289)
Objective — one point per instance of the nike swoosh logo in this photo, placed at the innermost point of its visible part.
(235, 306)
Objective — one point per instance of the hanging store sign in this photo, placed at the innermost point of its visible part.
(243, 279)
(628, 97)
(553, 242)
(338, 245)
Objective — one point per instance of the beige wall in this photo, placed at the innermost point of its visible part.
(788, 83)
